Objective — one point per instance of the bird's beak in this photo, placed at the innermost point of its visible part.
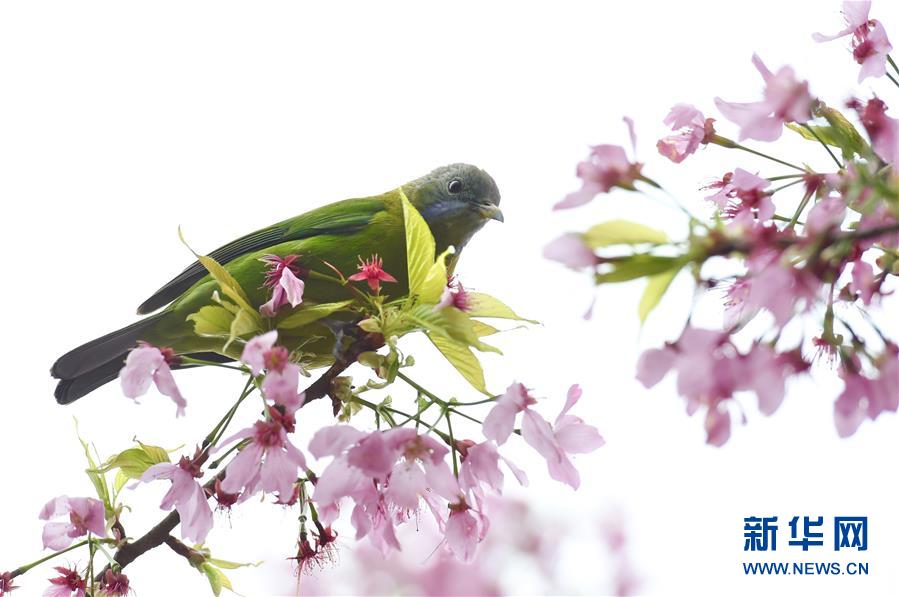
(492, 212)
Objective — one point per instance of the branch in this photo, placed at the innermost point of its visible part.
(321, 387)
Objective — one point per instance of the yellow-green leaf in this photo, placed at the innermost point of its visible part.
(230, 287)
(463, 359)
(484, 305)
(217, 579)
(243, 324)
(310, 313)
(482, 329)
(212, 321)
(435, 281)
(420, 246)
(97, 478)
(656, 286)
(133, 462)
(622, 232)
(637, 266)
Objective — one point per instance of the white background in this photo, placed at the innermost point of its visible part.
(120, 121)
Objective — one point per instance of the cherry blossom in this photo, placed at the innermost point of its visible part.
(68, 584)
(870, 46)
(86, 515)
(692, 130)
(372, 272)
(785, 100)
(6, 584)
(270, 462)
(883, 130)
(282, 377)
(606, 167)
(282, 278)
(146, 364)
(114, 584)
(570, 250)
(186, 495)
(710, 370)
(454, 295)
(867, 397)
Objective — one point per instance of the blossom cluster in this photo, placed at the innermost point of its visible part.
(829, 260)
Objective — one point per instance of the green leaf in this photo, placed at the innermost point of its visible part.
(420, 246)
(838, 132)
(637, 266)
(133, 462)
(97, 479)
(450, 323)
(484, 305)
(463, 359)
(622, 232)
(656, 286)
(436, 279)
(231, 565)
(311, 313)
(217, 579)
(243, 324)
(482, 329)
(212, 321)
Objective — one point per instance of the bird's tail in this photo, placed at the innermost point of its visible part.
(91, 365)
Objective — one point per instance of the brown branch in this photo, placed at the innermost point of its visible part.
(321, 387)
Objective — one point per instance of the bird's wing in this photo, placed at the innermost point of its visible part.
(343, 217)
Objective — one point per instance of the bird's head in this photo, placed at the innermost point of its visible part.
(455, 201)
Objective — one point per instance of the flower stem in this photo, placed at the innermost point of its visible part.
(729, 144)
(824, 145)
(893, 64)
(449, 426)
(418, 387)
(201, 362)
(893, 79)
(217, 432)
(23, 569)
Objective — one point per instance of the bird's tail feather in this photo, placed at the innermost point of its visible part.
(103, 350)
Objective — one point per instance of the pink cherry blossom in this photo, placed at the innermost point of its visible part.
(186, 495)
(384, 473)
(827, 213)
(6, 584)
(372, 272)
(883, 130)
(463, 532)
(282, 278)
(693, 129)
(270, 462)
(606, 167)
(115, 584)
(785, 100)
(86, 515)
(68, 584)
(146, 364)
(742, 193)
(870, 46)
(780, 288)
(867, 397)
(500, 421)
(568, 435)
(570, 250)
(863, 281)
(480, 467)
(454, 295)
(282, 377)
(710, 370)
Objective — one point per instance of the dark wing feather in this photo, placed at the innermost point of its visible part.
(343, 217)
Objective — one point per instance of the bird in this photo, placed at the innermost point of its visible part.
(456, 201)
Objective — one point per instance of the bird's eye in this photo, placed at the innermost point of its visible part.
(454, 186)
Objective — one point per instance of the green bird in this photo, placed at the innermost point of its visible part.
(455, 201)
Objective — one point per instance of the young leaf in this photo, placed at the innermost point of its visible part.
(310, 313)
(656, 286)
(212, 321)
(420, 246)
(243, 324)
(133, 462)
(436, 279)
(98, 479)
(461, 357)
(622, 232)
(637, 266)
(217, 579)
(484, 305)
